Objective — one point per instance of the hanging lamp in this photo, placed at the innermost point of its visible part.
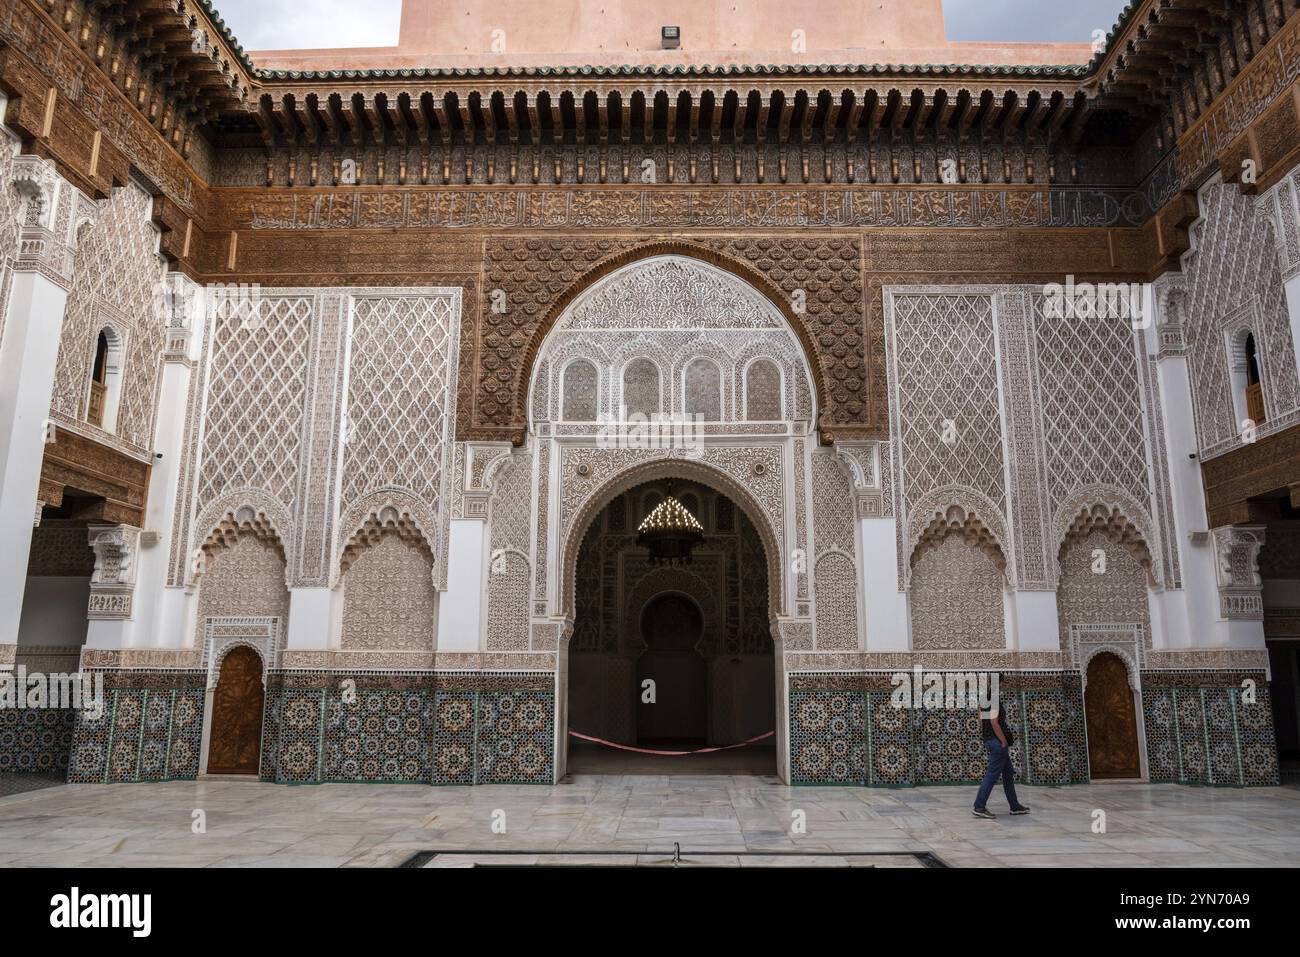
(670, 532)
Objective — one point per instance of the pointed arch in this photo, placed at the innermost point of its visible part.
(956, 510)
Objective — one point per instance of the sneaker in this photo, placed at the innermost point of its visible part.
(983, 812)
(1020, 810)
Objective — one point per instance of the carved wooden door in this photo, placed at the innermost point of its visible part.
(1112, 720)
(236, 740)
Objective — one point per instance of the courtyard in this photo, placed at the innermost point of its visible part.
(616, 819)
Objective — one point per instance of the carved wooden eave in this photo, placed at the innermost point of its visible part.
(793, 110)
(173, 59)
(1173, 59)
(77, 462)
(1236, 481)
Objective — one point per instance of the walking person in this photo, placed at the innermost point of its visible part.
(998, 738)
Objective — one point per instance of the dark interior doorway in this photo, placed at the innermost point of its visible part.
(700, 632)
(673, 707)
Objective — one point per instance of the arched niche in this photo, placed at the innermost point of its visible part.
(674, 312)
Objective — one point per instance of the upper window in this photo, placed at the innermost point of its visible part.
(579, 392)
(105, 381)
(1254, 392)
(1247, 389)
(763, 392)
(641, 388)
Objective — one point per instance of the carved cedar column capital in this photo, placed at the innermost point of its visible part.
(117, 549)
(1236, 553)
(52, 211)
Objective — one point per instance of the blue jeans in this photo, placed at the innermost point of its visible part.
(999, 767)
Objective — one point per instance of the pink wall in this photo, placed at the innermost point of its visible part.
(460, 33)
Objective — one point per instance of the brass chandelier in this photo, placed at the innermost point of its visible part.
(670, 532)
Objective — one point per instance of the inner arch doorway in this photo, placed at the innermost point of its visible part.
(671, 657)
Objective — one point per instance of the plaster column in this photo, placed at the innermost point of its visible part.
(1186, 617)
(33, 323)
(315, 613)
(886, 619)
(160, 609)
(1031, 619)
(460, 608)
(888, 623)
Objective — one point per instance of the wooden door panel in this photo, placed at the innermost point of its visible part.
(1112, 720)
(236, 741)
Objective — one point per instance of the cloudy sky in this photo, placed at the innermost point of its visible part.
(284, 24)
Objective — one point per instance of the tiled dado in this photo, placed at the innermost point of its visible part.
(844, 729)
(151, 729)
(1202, 729)
(428, 727)
(35, 739)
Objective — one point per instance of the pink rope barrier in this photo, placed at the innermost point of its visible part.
(668, 754)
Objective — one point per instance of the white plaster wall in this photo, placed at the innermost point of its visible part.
(460, 608)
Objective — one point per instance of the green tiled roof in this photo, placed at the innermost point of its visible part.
(762, 69)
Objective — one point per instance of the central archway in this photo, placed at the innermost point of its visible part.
(647, 345)
(671, 658)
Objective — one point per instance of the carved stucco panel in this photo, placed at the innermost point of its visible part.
(389, 600)
(244, 576)
(1233, 267)
(957, 593)
(116, 283)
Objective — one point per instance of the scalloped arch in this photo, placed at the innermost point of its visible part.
(242, 510)
(387, 510)
(1112, 511)
(954, 509)
(1130, 666)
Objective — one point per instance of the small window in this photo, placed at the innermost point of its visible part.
(763, 392)
(580, 383)
(1254, 392)
(1247, 389)
(105, 381)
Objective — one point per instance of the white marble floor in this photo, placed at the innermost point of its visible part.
(642, 817)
